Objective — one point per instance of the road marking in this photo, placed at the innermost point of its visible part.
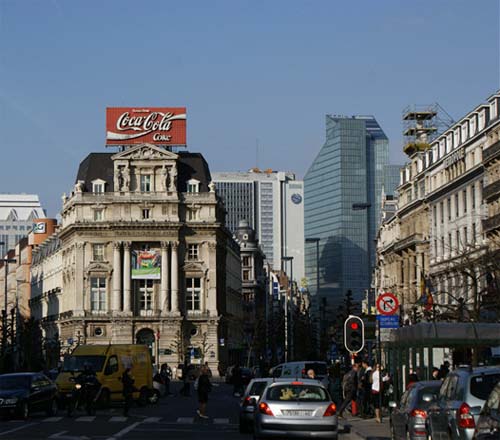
(85, 419)
(152, 420)
(17, 429)
(61, 436)
(124, 431)
(221, 421)
(52, 419)
(118, 419)
(188, 420)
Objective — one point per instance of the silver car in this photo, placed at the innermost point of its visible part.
(455, 412)
(408, 419)
(249, 400)
(296, 408)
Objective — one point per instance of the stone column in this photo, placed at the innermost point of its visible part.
(164, 303)
(115, 299)
(175, 277)
(126, 277)
(212, 279)
(79, 285)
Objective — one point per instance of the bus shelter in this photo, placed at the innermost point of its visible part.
(413, 346)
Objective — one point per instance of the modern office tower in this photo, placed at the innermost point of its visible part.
(272, 203)
(17, 215)
(342, 201)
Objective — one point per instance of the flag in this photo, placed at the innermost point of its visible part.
(426, 290)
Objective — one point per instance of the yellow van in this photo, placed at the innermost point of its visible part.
(109, 362)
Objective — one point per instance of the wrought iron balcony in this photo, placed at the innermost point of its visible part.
(491, 223)
(491, 191)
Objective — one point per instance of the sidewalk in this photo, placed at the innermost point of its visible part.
(367, 429)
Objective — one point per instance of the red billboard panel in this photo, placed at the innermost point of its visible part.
(154, 125)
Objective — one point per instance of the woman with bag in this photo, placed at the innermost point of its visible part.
(203, 387)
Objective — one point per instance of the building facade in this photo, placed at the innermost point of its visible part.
(17, 214)
(272, 203)
(142, 256)
(342, 191)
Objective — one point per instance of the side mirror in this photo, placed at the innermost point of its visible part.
(428, 398)
(393, 404)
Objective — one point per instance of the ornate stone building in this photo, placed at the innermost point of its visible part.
(146, 258)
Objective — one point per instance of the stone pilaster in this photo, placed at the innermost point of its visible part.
(175, 277)
(164, 303)
(126, 277)
(117, 270)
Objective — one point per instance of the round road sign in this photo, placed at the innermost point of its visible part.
(387, 304)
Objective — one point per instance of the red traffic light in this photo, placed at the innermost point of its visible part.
(354, 325)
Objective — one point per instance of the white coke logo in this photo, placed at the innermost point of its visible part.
(152, 122)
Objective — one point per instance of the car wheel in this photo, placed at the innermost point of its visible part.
(154, 398)
(104, 399)
(24, 411)
(52, 409)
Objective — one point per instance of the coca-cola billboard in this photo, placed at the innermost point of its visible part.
(154, 125)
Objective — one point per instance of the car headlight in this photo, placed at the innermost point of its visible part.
(11, 401)
(78, 386)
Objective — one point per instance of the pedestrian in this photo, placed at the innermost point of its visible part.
(186, 388)
(350, 387)
(128, 388)
(311, 374)
(165, 375)
(376, 392)
(435, 373)
(366, 410)
(237, 381)
(444, 369)
(203, 388)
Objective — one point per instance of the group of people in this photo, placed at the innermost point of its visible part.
(363, 387)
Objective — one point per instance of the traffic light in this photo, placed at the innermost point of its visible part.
(354, 334)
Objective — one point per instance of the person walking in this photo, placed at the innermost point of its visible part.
(203, 388)
(350, 387)
(366, 410)
(128, 388)
(237, 381)
(376, 392)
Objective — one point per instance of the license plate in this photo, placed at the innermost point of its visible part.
(297, 412)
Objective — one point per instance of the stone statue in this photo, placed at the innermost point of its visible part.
(165, 178)
(211, 187)
(126, 178)
(79, 186)
(120, 179)
(173, 179)
(64, 198)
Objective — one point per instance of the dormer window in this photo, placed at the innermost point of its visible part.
(98, 186)
(193, 186)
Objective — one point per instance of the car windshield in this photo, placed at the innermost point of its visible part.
(481, 386)
(318, 367)
(302, 393)
(14, 382)
(77, 363)
(257, 388)
(427, 390)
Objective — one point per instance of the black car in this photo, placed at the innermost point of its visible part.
(24, 393)
(488, 424)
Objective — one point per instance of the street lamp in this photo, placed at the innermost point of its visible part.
(286, 304)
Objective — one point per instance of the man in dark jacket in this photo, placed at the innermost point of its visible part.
(128, 389)
(350, 386)
(203, 387)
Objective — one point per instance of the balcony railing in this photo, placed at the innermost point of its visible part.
(491, 152)
(491, 190)
(491, 223)
(408, 241)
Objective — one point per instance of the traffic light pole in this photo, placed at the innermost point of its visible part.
(379, 356)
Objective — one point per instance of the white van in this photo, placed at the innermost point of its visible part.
(299, 370)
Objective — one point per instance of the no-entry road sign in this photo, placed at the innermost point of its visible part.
(387, 304)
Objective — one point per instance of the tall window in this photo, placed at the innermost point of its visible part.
(192, 252)
(458, 239)
(450, 243)
(435, 216)
(442, 211)
(146, 294)
(146, 213)
(98, 252)
(192, 214)
(193, 186)
(465, 200)
(456, 206)
(193, 293)
(98, 187)
(449, 208)
(442, 245)
(98, 293)
(473, 233)
(246, 261)
(98, 215)
(246, 275)
(466, 238)
(473, 195)
(145, 183)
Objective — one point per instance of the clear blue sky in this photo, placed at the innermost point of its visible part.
(245, 70)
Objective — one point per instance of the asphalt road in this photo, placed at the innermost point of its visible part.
(174, 417)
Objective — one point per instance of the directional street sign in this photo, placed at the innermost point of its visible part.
(387, 304)
(391, 321)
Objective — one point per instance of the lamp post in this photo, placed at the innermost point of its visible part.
(6, 260)
(286, 307)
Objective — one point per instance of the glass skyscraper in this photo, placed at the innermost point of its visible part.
(342, 202)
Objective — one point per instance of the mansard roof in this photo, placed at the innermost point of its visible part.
(100, 166)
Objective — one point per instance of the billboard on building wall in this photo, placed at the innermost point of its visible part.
(146, 265)
(154, 125)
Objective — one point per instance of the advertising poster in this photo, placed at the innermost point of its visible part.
(146, 264)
